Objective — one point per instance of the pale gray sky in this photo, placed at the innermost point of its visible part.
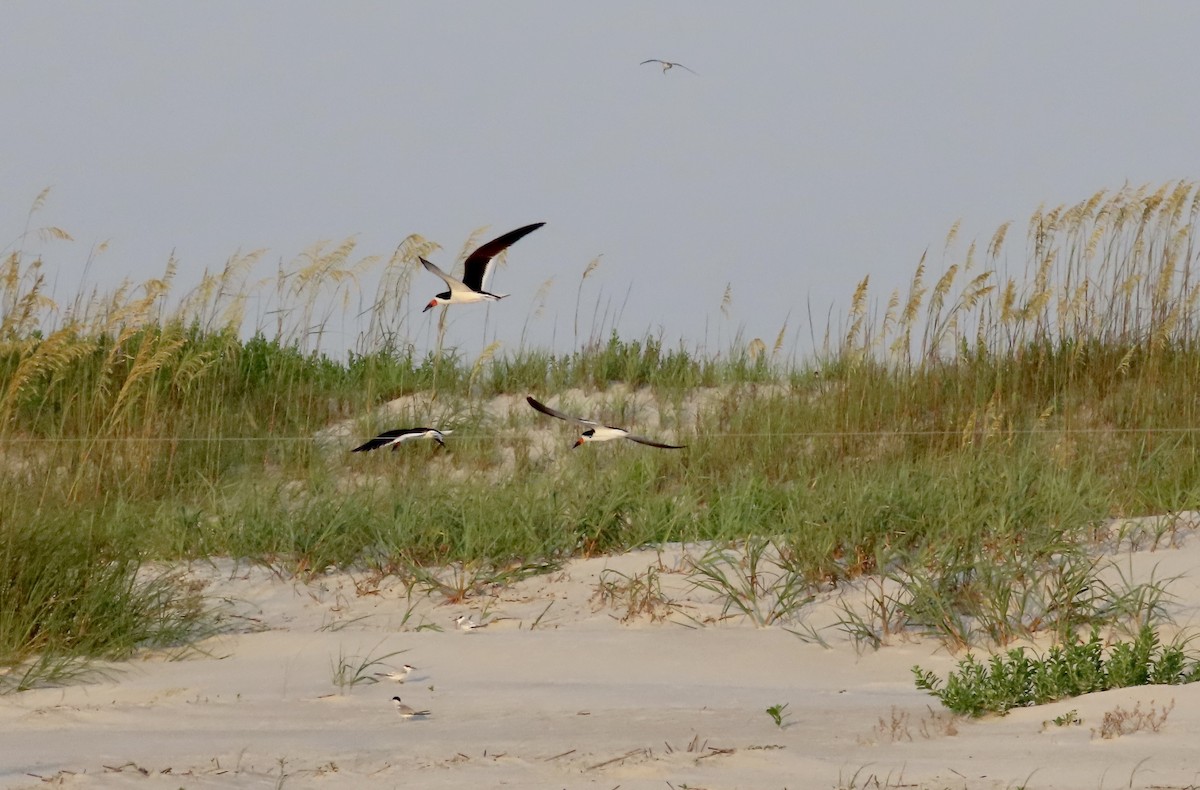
(818, 143)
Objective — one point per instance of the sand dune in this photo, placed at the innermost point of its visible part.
(560, 691)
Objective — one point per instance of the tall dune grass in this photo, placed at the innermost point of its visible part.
(982, 419)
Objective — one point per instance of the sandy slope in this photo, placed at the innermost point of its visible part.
(582, 699)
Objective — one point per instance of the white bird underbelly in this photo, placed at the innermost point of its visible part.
(605, 434)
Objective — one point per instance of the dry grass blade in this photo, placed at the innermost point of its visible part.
(638, 594)
(481, 361)
(540, 296)
(997, 242)
(40, 200)
(952, 234)
(779, 339)
(38, 361)
(593, 264)
(856, 345)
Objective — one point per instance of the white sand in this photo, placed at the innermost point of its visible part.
(581, 700)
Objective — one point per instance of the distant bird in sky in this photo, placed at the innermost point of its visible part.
(475, 271)
(399, 436)
(399, 675)
(599, 433)
(667, 65)
(405, 711)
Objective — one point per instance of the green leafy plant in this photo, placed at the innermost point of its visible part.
(778, 712)
(1016, 679)
(1068, 719)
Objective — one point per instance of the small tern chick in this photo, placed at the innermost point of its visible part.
(405, 711)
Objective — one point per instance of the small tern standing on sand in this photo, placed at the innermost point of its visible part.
(667, 65)
(399, 675)
(405, 711)
(467, 624)
(475, 271)
(399, 436)
(595, 432)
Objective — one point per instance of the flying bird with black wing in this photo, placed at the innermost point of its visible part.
(476, 269)
(595, 432)
(398, 436)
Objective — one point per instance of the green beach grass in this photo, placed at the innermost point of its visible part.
(966, 438)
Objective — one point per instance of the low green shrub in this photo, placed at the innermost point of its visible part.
(1015, 679)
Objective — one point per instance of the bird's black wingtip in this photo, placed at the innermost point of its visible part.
(523, 231)
(539, 406)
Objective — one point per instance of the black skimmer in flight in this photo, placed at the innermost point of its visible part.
(475, 271)
(405, 711)
(595, 432)
(399, 436)
(667, 65)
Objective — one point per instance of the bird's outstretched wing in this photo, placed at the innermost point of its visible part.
(399, 435)
(479, 262)
(668, 64)
(644, 440)
(382, 440)
(451, 283)
(544, 409)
